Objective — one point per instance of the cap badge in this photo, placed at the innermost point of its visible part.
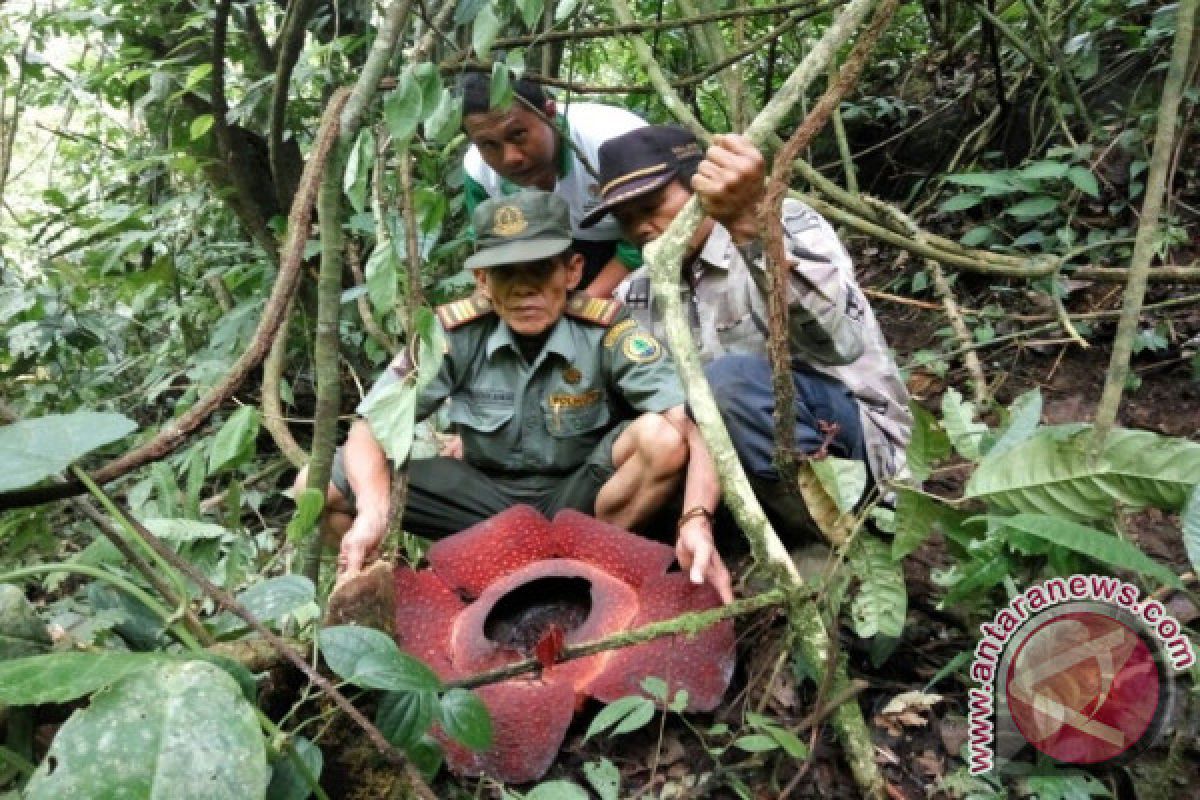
(509, 221)
(572, 375)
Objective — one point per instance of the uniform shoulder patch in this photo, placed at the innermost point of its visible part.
(460, 312)
(597, 310)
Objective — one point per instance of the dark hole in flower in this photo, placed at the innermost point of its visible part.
(521, 617)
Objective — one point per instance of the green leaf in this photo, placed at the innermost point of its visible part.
(1044, 170)
(618, 711)
(531, 12)
(234, 443)
(183, 531)
(431, 345)
(278, 596)
(465, 719)
(177, 730)
(500, 91)
(1191, 528)
(485, 30)
(1089, 542)
(979, 576)
(929, 443)
(756, 743)
(442, 124)
(556, 790)
(63, 677)
(655, 687)
(979, 235)
(402, 108)
(358, 170)
(309, 505)
(843, 479)
(403, 717)
(426, 755)
(200, 126)
(1084, 180)
(1052, 473)
(197, 74)
(1023, 417)
(390, 411)
(286, 781)
(34, 449)
(382, 268)
(429, 81)
(565, 9)
(960, 202)
(370, 658)
(958, 419)
(882, 600)
(918, 516)
(604, 778)
(393, 671)
(984, 180)
(1032, 207)
(22, 632)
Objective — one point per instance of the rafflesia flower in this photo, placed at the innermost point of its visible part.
(458, 617)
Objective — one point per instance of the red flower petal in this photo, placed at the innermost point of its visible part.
(529, 721)
(491, 549)
(626, 556)
(425, 612)
(702, 664)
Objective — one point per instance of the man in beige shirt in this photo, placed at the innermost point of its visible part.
(841, 367)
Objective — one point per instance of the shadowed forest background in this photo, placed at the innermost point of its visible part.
(219, 221)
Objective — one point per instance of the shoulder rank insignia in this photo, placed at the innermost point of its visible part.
(460, 312)
(598, 310)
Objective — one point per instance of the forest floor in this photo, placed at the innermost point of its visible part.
(917, 747)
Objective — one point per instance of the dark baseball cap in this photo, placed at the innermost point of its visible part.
(641, 161)
(520, 228)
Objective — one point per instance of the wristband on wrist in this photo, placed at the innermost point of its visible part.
(695, 511)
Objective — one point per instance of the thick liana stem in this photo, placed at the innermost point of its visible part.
(683, 624)
(1147, 232)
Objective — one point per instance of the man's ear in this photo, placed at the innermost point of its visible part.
(481, 281)
(549, 108)
(574, 270)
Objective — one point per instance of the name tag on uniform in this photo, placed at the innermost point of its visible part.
(564, 400)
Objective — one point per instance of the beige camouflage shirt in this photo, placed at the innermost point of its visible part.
(832, 327)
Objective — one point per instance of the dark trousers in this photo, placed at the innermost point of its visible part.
(742, 387)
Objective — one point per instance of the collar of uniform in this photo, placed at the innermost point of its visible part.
(559, 340)
(717, 247)
(565, 154)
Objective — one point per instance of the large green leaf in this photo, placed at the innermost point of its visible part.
(843, 479)
(286, 781)
(402, 107)
(1023, 417)
(465, 719)
(1052, 473)
(929, 444)
(22, 632)
(1096, 545)
(62, 677)
(485, 30)
(958, 419)
(370, 658)
(1191, 528)
(177, 731)
(404, 716)
(880, 606)
(34, 449)
(270, 600)
(235, 441)
(390, 413)
(917, 516)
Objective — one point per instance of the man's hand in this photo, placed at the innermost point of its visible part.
(729, 184)
(360, 545)
(699, 557)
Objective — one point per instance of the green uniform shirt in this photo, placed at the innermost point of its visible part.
(544, 417)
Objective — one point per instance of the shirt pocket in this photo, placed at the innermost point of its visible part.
(568, 416)
(480, 416)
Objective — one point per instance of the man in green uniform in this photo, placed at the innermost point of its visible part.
(562, 401)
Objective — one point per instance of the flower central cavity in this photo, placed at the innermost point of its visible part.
(522, 617)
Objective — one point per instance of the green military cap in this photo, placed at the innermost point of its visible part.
(519, 228)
